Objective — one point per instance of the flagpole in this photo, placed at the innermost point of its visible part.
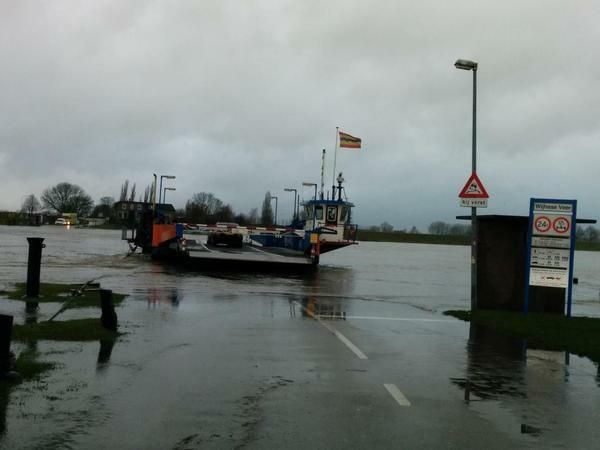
(337, 133)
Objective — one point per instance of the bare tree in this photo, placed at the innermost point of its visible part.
(266, 216)
(203, 207)
(67, 197)
(30, 205)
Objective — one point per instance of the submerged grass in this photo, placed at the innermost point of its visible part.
(59, 293)
(67, 330)
(29, 368)
(578, 335)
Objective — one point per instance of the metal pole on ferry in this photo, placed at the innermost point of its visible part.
(322, 175)
(471, 65)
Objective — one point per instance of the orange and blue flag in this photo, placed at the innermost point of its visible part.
(348, 141)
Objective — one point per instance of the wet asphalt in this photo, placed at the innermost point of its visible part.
(350, 358)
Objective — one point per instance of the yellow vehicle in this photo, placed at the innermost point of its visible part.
(70, 218)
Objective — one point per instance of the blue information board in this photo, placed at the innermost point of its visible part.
(551, 246)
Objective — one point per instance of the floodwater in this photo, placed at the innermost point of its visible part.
(227, 360)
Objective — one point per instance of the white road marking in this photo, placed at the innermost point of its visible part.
(404, 319)
(337, 334)
(397, 394)
(344, 339)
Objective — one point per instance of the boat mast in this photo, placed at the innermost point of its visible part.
(322, 174)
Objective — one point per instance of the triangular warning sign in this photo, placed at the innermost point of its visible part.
(473, 188)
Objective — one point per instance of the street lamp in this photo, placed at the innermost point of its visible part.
(165, 192)
(273, 197)
(295, 191)
(309, 185)
(465, 64)
(169, 177)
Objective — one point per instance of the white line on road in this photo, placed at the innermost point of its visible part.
(397, 394)
(405, 319)
(344, 339)
(337, 334)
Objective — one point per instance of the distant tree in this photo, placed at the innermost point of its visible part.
(148, 193)
(132, 195)
(30, 205)
(386, 227)
(253, 216)
(104, 208)
(241, 219)
(67, 198)
(266, 216)
(374, 228)
(459, 229)
(439, 227)
(224, 214)
(124, 191)
(203, 208)
(414, 230)
(591, 234)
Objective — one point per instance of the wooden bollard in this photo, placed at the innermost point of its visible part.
(6, 357)
(34, 261)
(109, 316)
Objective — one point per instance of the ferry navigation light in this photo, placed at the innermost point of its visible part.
(465, 64)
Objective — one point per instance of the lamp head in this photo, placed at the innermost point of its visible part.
(465, 64)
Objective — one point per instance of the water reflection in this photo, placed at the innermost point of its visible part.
(104, 353)
(496, 365)
(324, 309)
(168, 296)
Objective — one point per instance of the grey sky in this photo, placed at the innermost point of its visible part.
(239, 97)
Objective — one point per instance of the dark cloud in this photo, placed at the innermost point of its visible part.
(237, 98)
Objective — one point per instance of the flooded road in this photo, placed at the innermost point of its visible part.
(223, 360)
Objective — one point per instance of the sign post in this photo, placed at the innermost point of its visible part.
(551, 246)
(473, 195)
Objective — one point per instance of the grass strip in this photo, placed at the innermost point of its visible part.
(67, 330)
(578, 335)
(442, 239)
(60, 293)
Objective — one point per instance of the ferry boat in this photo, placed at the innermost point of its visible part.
(326, 227)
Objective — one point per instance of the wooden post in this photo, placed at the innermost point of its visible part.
(34, 261)
(6, 325)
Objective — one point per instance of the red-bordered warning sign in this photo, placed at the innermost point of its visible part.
(561, 224)
(542, 224)
(473, 188)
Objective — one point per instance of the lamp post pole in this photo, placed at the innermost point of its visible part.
(314, 200)
(295, 191)
(164, 197)
(160, 189)
(471, 65)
